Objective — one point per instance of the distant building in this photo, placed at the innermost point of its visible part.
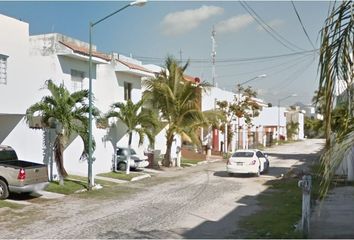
(296, 115)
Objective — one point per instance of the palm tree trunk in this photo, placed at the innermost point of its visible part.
(167, 158)
(58, 151)
(128, 157)
(115, 158)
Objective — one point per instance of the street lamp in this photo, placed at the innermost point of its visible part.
(278, 127)
(254, 78)
(91, 25)
(238, 102)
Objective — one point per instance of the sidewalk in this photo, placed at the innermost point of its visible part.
(334, 217)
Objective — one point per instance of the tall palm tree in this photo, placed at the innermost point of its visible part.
(69, 112)
(336, 64)
(137, 119)
(178, 103)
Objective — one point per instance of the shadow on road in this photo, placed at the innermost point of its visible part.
(273, 172)
(299, 157)
(228, 226)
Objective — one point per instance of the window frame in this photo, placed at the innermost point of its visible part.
(3, 68)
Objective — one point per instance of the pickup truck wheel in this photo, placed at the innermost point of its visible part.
(4, 191)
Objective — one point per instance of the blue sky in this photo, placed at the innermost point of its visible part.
(244, 49)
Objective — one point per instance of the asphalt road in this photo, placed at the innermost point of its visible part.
(196, 202)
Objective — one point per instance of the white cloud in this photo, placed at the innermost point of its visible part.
(234, 24)
(178, 23)
(276, 23)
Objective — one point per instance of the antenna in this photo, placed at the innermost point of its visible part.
(213, 54)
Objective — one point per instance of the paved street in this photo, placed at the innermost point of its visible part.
(196, 202)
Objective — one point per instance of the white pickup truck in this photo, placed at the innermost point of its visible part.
(18, 175)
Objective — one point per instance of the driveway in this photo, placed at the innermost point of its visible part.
(196, 202)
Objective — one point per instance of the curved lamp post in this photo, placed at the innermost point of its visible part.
(278, 127)
(238, 102)
(91, 25)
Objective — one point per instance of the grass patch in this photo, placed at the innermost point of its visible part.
(69, 187)
(120, 175)
(186, 165)
(11, 205)
(190, 161)
(281, 204)
(97, 181)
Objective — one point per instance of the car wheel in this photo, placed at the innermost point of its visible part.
(122, 166)
(4, 191)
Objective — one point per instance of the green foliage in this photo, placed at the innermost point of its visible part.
(336, 63)
(340, 119)
(178, 103)
(313, 128)
(242, 107)
(68, 113)
(292, 128)
(136, 118)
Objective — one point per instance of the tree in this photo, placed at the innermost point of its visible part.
(313, 128)
(70, 113)
(241, 107)
(137, 119)
(292, 128)
(336, 64)
(178, 103)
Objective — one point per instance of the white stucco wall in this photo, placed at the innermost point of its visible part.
(15, 94)
(32, 61)
(297, 117)
(214, 94)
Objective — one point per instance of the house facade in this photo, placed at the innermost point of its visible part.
(27, 62)
(295, 115)
(17, 89)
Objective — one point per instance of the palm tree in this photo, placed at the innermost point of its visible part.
(137, 119)
(336, 64)
(69, 112)
(178, 103)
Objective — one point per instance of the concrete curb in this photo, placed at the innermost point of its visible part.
(111, 179)
(50, 195)
(19, 202)
(140, 177)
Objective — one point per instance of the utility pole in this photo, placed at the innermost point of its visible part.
(213, 55)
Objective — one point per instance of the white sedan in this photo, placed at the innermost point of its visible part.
(247, 161)
(136, 161)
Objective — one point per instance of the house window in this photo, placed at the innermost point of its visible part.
(3, 69)
(127, 90)
(77, 78)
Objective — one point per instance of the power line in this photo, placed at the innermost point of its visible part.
(274, 66)
(302, 25)
(294, 76)
(228, 60)
(283, 41)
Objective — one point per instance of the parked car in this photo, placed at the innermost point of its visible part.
(248, 161)
(136, 161)
(20, 176)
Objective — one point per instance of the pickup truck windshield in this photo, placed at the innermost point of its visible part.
(6, 155)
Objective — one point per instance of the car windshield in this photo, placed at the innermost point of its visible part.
(132, 152)
(243, 154)
(124, 151)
